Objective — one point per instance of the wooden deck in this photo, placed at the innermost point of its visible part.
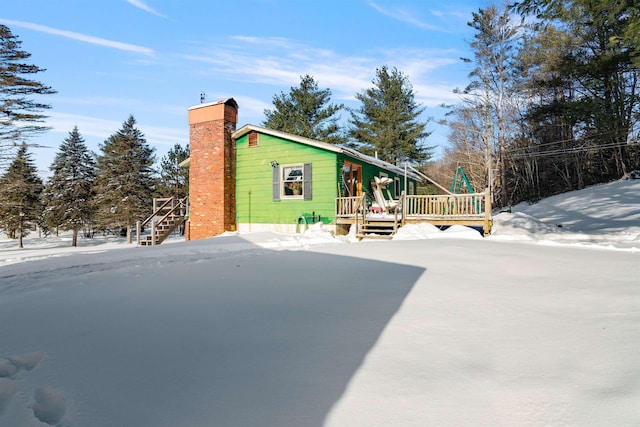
(472, 210)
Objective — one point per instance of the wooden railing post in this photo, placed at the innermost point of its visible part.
(138, 227)
(487, 212)
(153, 233)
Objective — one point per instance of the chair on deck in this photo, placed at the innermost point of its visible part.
(378, 184)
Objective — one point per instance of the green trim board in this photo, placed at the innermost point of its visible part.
(263, 155)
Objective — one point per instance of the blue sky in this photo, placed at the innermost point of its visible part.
(153, 58)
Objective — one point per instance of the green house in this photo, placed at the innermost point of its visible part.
(284, 182)
(257, 179)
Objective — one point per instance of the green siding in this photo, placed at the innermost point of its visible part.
(254, 202)
(368, 172)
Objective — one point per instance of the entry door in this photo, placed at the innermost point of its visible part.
(352, 179)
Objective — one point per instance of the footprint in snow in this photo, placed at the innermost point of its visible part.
(49, 406)
(11, 365)
(7, 389)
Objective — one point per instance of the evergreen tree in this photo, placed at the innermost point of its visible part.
(125, 181)
(20, 116)
(20, 189)
(388, 122)
(306, 112)
(68, 196)
(603, 70)
(174, 180)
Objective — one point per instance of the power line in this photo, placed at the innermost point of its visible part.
(571, 150)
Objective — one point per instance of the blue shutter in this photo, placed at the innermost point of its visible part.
(307, 181)
(275, 179)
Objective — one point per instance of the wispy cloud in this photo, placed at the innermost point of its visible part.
(406, 16)
(80, 37)
(281, 62)
(142, 5)
(101, 128)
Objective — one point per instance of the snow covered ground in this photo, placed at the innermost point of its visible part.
(537, 325)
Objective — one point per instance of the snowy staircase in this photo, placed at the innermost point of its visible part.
(162, 230)
(172, 214)
(377, 229)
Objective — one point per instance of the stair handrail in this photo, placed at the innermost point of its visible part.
(180, 204)
(154, 214)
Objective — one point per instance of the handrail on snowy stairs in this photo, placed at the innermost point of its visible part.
(161, 229)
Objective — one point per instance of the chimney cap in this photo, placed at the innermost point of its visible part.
(228, 101)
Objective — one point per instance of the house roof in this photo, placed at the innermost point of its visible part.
(325, 146)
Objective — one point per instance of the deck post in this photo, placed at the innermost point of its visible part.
(153, 232)
(487, 212)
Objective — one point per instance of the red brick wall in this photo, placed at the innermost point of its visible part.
(212, 173)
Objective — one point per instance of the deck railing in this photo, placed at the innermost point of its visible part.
(352, 207)
(348, 207)
(447, 205)
(465, 209)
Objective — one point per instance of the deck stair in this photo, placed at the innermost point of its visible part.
(377, 229)
(166, 218)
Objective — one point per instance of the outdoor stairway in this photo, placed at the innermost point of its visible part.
(172, 213)
(163, 230)
(377, 229)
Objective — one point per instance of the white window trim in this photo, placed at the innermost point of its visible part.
(284, 196)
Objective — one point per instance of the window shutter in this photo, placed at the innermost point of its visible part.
(275, 178)
(307, 181)
(253, 138)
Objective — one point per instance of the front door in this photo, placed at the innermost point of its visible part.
(351, 179)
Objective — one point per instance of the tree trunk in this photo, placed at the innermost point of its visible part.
(20, 236)
(74, 239)
(128, 234)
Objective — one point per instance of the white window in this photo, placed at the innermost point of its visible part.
(292, 181)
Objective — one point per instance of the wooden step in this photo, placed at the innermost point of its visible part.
(377, 230)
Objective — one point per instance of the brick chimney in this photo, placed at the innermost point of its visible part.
(212, 169)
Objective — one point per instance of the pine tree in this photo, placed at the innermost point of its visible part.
(20, 189)
(174, 180)
(20, 116)
(68, 196)
(125, 181)
(387, 122)
(305, 111)
(603, 70)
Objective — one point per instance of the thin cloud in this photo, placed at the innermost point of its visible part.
(282, 62)
(102, 128)
(143, 6)
(265, 41)
(404, 16)
(80, 37)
